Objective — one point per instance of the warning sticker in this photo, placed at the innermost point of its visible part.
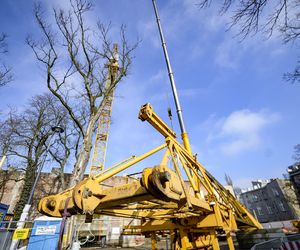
(45, 230)
(21, 234)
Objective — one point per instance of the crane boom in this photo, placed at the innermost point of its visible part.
(161, 198)
(104, 120)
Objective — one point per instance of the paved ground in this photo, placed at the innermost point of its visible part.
(161, 246)
(140, 248)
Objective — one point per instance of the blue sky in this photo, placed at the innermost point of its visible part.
(242, 118)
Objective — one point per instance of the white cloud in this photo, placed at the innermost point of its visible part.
(237, 146)
(205, 23)
(187, 18)
(245, 122)
(166, 95)
(208, 18)
(243, 183)
(159, 77)
(148, 32)
(227, 55)
(240, 131)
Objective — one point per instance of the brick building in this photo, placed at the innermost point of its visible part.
(11, 185)
(103, 226)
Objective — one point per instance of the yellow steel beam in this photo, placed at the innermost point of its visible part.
(144, 213)
(160, 198)
(147, 114)
(149, 206)
(113, 171)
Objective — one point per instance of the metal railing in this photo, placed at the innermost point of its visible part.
(276, 243)
(7, 229)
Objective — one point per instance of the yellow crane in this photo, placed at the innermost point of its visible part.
(191, 211)
(101, 138)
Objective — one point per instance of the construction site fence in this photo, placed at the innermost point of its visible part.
(288, 242)
(7, 229)
(102, 231)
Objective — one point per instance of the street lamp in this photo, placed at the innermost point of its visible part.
(55, 129)
(25, 212)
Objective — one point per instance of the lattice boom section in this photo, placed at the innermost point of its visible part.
(100, 144)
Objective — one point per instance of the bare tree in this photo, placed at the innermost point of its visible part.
(61, 150)
(75, 59)
(267, 16)
(5, 71)
(27, 134)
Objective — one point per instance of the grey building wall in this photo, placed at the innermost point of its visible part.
(294, 174)
(276, 201)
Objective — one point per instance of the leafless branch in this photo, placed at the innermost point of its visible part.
(82, 86)
(3, 44)
(5, 71)
(280, 16)
(293, 76)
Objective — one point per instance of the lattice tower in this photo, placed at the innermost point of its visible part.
(100, 145)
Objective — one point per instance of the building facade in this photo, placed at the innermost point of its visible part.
(275, 200)
(11, 184)
(104, 229)
(294, 175)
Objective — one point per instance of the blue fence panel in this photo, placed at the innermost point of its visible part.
(44, 235)
(3, 211)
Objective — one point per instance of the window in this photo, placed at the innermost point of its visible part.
(259, 211)
(265, 195)
(275, 192)
(281, 206)
(255, 197)
(270, 210)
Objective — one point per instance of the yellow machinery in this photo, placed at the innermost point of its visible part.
(177, 197)
(99, 152)
(191, 211)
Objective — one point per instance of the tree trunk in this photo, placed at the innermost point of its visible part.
(30, 176)
(84, 154)
(62, 179)
(4, 179)
(28, 183)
